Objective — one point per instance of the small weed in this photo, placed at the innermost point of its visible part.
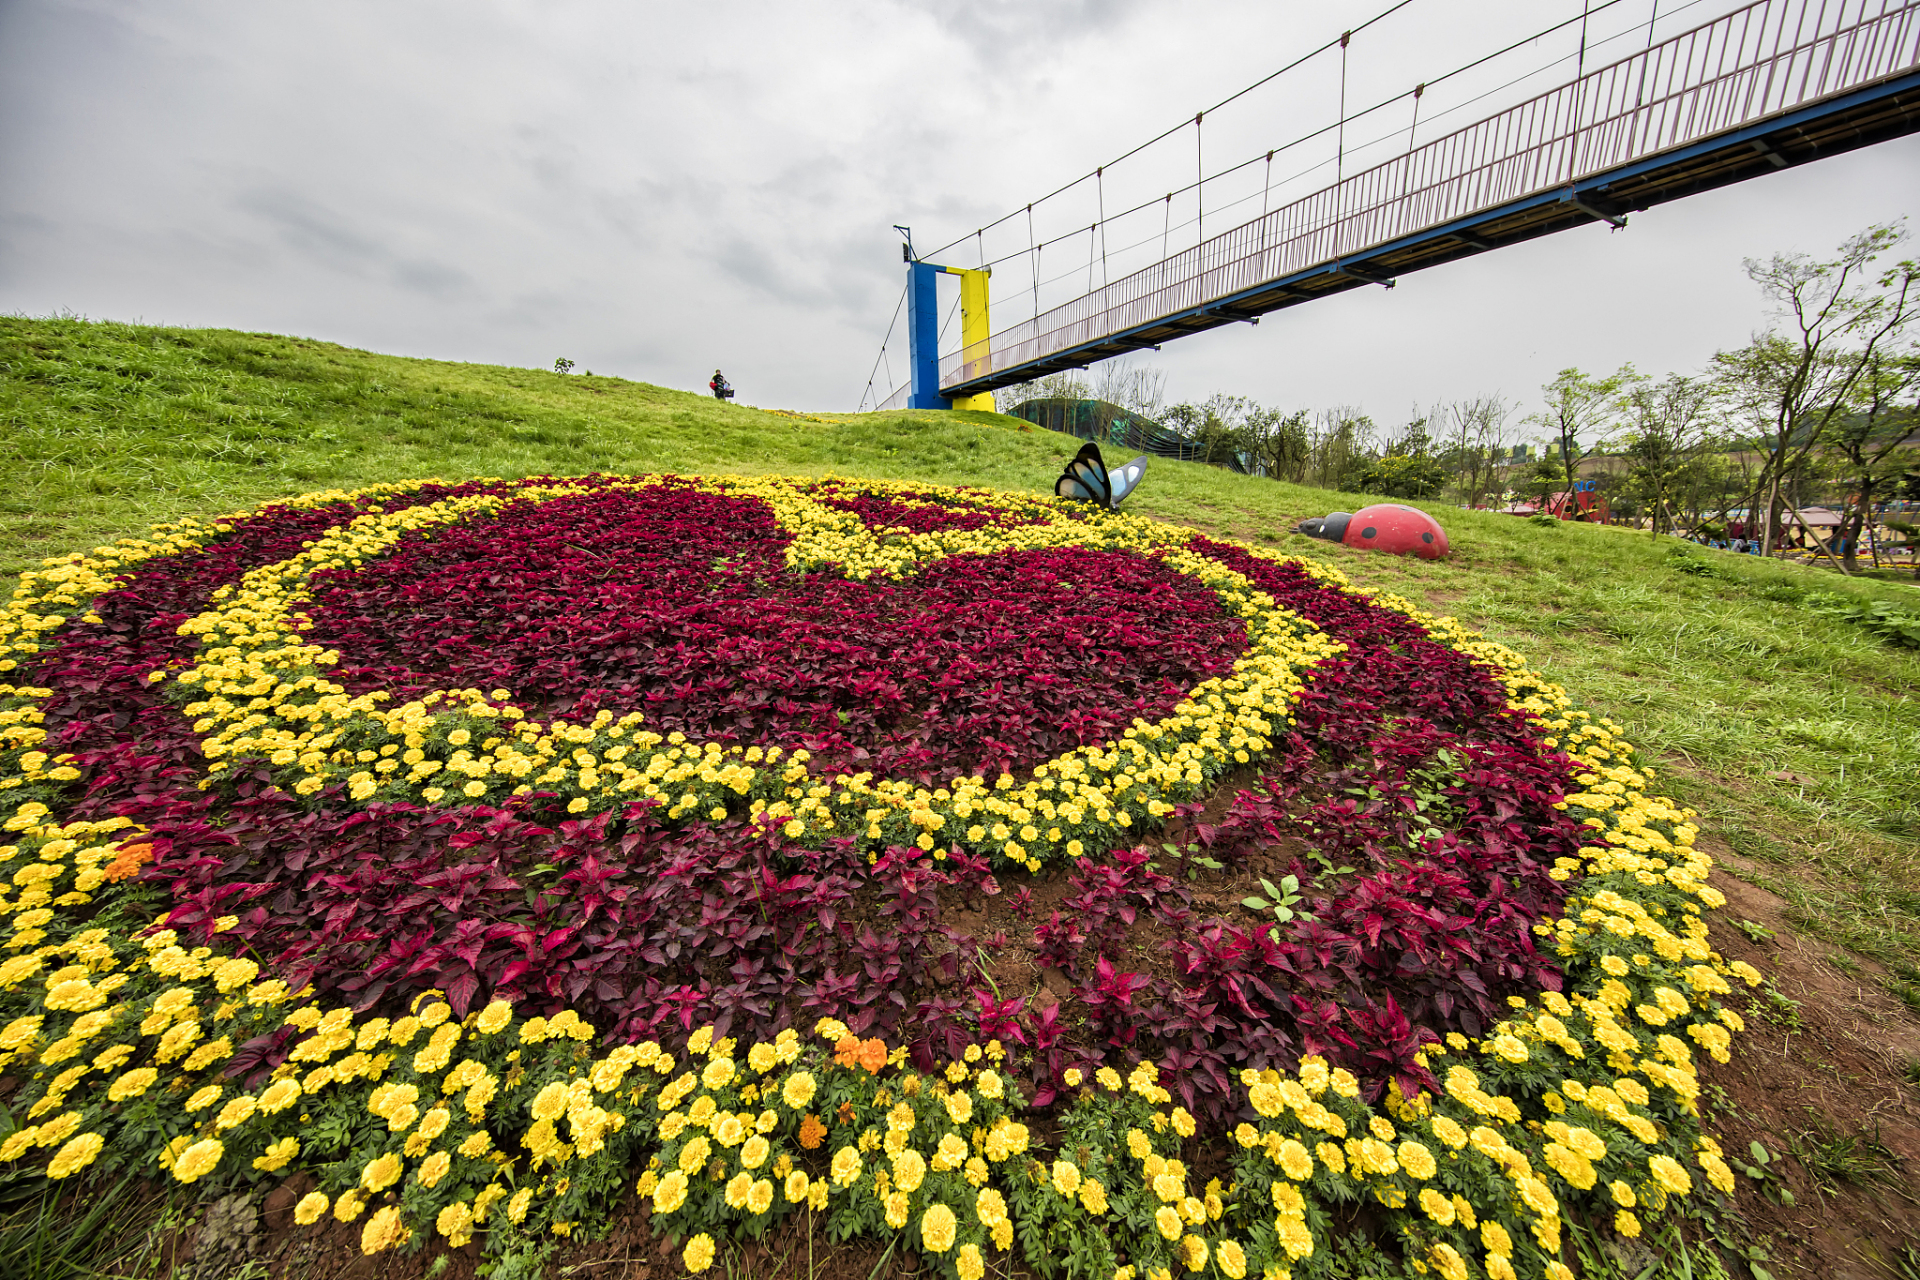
(1196, 861)
(1755, 932)
(1764, 1173)
(1845, 964)
(1775, 1006)
(1857, 1159)
(1281, 901)
(1912, 1072)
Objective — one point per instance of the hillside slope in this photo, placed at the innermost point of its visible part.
(1795, 734)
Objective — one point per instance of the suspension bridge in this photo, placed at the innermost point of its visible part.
(1768, 86)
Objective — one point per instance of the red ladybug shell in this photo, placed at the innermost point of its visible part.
(1397, 530)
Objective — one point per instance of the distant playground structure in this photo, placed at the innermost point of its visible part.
(1106, 423)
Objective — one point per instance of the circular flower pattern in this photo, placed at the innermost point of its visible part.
(470, 762)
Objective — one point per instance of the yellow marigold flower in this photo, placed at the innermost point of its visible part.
(75, 1155)
(198, 1160)
(937, 1228)
(737, 1188)
(760, 1197)
(988, 1085)
(797, 1187)
(1182, 1122)
(1294, 1237)
(494, 1017)
(434, 1168)
(455, 1223)
(1417, 1160)
(1436, 1206)
(1626, 1224)
(278, 1154)
(1066, 1177)
(729, 1131)
(1193, 1251)
(1167, 1220)
(909, 1170)
(1622, 1194)
(236, 1112)
(349, 1206)
(698, 1255)
(1495, 1238)
(1294, 1160)
(1449, 1132)
(383, 1231)
(846, 1166)
(523, 1199)
(990, 1207)
(312, 1207)
(132, 1084)
(382, 1172)
(1448, 1262)
(1535, 1195)
(968, 1262)
(1669, 1173)
(897, 1205)
(718, 1074)
(551, 1102)
(799, 1090)
(959, 1107)
(671, 1193)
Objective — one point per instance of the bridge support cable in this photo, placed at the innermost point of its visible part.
(1530, 39)
(880, 360)
(1771, 83)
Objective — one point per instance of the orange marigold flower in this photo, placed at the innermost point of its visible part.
(127, 862)
(812, 1132)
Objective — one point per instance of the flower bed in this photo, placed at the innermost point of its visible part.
(513, 840)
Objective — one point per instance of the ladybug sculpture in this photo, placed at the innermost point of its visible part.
(1385, 526)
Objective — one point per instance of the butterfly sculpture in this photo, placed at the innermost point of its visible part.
(1087, 479)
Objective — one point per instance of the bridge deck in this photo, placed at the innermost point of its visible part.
(1774, 84)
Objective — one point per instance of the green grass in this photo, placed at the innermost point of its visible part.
(1726, 675)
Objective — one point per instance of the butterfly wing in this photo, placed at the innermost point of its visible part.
(1127, 478)
(1085, 478)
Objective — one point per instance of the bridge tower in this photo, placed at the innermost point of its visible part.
(923, 333)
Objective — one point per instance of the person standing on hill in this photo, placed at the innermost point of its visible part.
(719, 387)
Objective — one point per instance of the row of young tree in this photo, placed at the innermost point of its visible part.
(1823, 405)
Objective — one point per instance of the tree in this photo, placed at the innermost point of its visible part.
(1665, 435)
(1875, 442)
(1342, 448)
(1476, 430)
(1403, 475)
(1065, 385)
(1576, 404)
(1279, 443)
(1834, 315)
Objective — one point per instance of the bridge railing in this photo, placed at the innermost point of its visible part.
(1760, 60)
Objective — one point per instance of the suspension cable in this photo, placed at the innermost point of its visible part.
(1593, 8)
(877, 360)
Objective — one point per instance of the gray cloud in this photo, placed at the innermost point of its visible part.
(651, 188)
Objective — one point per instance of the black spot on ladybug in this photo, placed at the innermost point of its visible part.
(1368, 532)
(1426, 537)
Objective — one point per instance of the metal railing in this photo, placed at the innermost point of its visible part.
(1761, 60)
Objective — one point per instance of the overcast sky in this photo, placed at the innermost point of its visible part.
(652, 190)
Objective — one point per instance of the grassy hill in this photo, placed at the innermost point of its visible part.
(1796, 734)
